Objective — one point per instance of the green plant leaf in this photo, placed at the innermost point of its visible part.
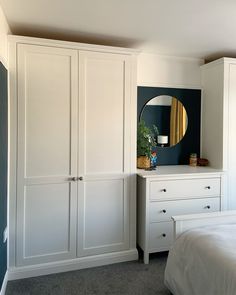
(145, 139)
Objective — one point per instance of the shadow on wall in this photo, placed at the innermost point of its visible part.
(75, 36)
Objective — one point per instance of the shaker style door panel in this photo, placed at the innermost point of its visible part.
(46, 101)
(104, 112)
(103, 217)
(47, 154)
(104, 153)
(47, 211)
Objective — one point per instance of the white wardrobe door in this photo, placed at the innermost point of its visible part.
(47, 154)
(232, 139)
(104, 153)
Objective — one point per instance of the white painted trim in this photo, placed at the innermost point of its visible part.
(133, 151)
(213, 63)
(12, 152)
(15, 273)
(4, 62)
(222, 60)
(167, 85)
(67, 44)
(4, 284)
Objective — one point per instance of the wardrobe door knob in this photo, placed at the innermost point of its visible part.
(164, 210)
(164, 235)
(208, 187)
(208, 207)
(163, 190)
(73, 179)
(80, 178)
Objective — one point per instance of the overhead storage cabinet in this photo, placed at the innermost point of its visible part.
(219, 121)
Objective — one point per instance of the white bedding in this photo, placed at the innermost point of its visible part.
(203, 262)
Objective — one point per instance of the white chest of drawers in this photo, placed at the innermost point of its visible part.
(173, 190)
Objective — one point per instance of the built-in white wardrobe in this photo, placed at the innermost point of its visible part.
(73, 156)
(219, 121)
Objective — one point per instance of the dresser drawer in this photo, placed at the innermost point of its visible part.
(161, 236)
(162, 211)
(184, 188)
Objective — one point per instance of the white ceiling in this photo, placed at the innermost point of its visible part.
(191, 28)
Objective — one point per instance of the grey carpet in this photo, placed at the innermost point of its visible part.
(128, 278)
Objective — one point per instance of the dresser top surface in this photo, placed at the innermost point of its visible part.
(177, 170)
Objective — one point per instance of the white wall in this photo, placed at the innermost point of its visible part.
(167, 71)
(4, 31)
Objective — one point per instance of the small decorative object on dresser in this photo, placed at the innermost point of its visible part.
(143, 162)
(169, 191)
(162, 140)
(193, 160)
(202, 162)
(145, 143)
(154, 159)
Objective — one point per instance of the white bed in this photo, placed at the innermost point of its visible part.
(202, 260)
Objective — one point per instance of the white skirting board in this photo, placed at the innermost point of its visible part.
(15, 273)
(4, 284)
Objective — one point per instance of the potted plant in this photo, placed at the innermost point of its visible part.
(145, 142)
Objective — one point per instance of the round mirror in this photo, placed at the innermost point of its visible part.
(169, 116)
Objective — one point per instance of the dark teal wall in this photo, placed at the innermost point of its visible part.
(159, 116)
(191, 99)
(3, 170)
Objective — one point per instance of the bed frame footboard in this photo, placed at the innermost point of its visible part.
(183, 223)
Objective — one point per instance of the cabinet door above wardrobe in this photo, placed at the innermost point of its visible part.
(104, 152)
(47, 153)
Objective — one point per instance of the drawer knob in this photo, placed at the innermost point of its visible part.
(208, 207)
(164, 211)
(163, 190)
(207, 187)
(164, 235)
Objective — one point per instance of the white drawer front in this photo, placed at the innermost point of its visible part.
(161, 236)
(185, 188)
(162, 211)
